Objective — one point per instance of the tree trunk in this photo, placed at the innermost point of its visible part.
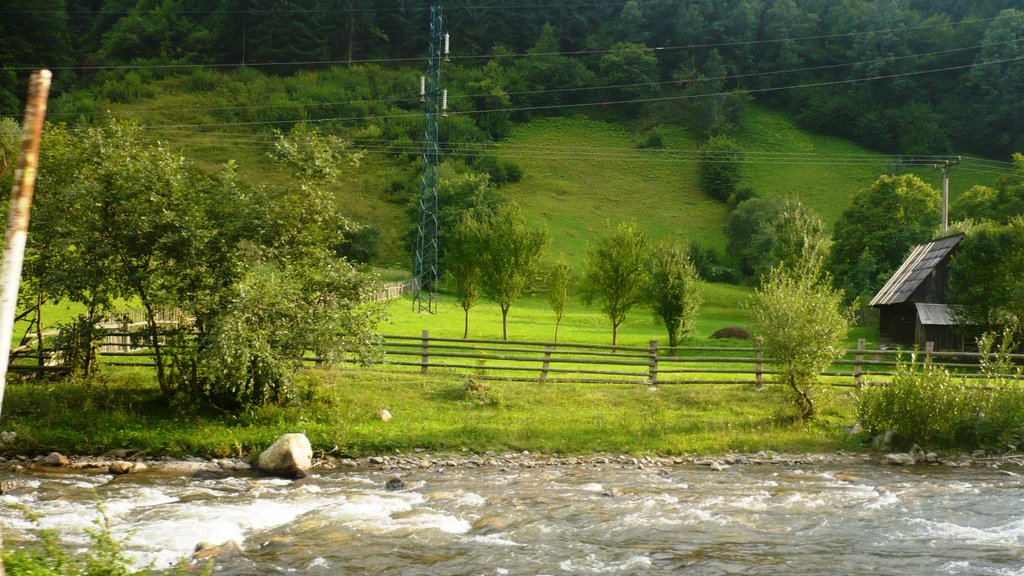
(615, 334)
(39, 328)
(557, 322)
(504, 322)
(154, 337)
(806, 404)
(465, 328)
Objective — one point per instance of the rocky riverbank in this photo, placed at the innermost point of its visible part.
(421, 460)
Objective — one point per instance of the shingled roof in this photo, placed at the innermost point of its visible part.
(915, 269)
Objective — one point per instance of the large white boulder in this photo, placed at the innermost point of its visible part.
(291, 456)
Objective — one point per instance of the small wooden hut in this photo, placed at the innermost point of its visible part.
(912, 304)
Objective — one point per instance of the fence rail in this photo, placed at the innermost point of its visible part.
(654, 365)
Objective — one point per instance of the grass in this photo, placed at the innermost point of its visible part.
(581, 174)
(531, 318)
(825, 185)
(122, 411)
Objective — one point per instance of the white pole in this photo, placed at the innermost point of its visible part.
(17, 219)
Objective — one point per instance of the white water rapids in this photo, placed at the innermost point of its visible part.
(825, 519)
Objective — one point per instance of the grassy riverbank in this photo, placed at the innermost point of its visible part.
(122, 410)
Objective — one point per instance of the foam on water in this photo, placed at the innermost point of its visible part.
(592, 565)
(1011, 534)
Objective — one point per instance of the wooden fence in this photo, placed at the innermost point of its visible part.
(652, 365)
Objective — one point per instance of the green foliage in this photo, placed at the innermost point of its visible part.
(927, 405)
(674, 289)
(509, 255)
(766, 231)
(462, 266)
(256, 343)
(120, 218)
(718, 168)
(654, 138)
(632, 68)
(878, 230)
(999, 203)
(801, 323)
(616, 273)
(10, 138)
(105, 556)
(985, 283)
(560, 285)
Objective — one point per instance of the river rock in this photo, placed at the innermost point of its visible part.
(119, 467)
(290, 456)
(384, 416)
(395, 483)
(207, 551)
(899, 459)
(56, 459)
(490, 525)
(210, 474)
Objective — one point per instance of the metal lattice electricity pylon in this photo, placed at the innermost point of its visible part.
(427, 249)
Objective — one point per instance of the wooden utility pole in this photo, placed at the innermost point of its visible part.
(17, 219)
(17, 224)
(945, 167)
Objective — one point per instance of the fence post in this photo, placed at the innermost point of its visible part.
(929, 347)
(858, 371)
(652, 373)
(425, 352)
(759, 365)
(547, 360)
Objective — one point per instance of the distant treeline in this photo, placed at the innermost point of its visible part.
(947, 74)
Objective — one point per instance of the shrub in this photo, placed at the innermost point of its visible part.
(735, 332)
(799, 317)
(925, 404)
(654, 138)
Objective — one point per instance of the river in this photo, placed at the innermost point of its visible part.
(769, 519)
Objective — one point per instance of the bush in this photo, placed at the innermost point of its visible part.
(718, 168)
(734, 332)
(799, 318)
(654, 138)
(928, 405)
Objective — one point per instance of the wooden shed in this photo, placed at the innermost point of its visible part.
(912, 304)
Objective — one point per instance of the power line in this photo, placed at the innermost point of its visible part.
(302, 105)
(603, 103)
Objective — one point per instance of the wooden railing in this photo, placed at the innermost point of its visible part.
(532, 361)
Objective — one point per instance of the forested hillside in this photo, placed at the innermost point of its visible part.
(910, 76)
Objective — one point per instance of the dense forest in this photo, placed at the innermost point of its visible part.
(953, 70)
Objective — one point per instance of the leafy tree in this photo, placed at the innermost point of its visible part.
(508, 258)
(616, 273)
(750, 229)
(800, 320)
(800, 241)
(1000, 203)
(462, 265)
(985, 283)
(559, 290)
(119, 218)
(996, 86)
(878, 229)
(674, 289)
(718, 169)
(633, 68)
(763, 232)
